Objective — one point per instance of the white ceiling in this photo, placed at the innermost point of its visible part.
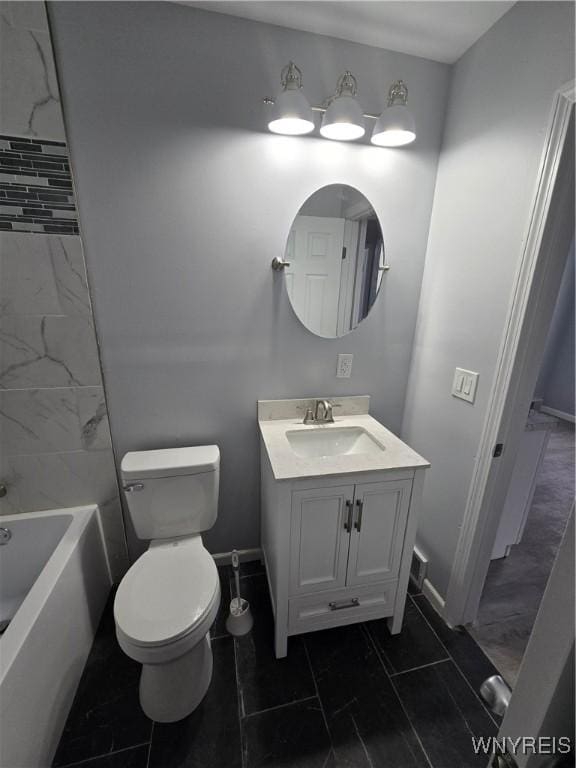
(441, 31)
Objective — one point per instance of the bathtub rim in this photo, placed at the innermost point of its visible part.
(23, 621)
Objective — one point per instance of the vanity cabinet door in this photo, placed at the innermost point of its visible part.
(319, 538)
(377, 537)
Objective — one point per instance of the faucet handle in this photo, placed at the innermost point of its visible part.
(309, 417)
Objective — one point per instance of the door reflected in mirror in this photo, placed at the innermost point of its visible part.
(336, 254)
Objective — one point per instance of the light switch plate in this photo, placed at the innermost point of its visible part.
(465, 384)
(344, 366)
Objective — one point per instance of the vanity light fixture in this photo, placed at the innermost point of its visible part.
(395, 127)
(292, 112)
(343, 119)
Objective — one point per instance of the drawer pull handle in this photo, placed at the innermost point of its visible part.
(348, 520)
(354, 603)
(358, 524)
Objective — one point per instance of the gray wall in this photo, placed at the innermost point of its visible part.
(502, 94)
(185, 198)
(556, 381)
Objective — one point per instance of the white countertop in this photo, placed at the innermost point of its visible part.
(286, 465)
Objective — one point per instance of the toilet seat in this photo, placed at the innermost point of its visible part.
(167, 595)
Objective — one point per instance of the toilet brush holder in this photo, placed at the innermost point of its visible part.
(239, 621)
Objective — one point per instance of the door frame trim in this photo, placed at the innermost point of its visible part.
(481, 515)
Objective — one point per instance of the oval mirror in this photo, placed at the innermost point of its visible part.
(336, 254)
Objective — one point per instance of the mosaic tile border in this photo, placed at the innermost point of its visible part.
(36, 192)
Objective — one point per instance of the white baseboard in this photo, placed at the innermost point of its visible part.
(559, 414)
(434, 597)
(225, 558)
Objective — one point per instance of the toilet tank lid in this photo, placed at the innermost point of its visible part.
(169, 462)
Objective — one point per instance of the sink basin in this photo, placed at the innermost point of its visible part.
(332, 441)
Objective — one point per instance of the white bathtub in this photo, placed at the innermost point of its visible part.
(54, 581)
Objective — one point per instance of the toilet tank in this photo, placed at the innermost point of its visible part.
(172, 492)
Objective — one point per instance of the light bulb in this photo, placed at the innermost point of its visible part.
(396, 126)
(292, 114)
(344, 119)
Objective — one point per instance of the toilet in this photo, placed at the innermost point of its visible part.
(169, 598)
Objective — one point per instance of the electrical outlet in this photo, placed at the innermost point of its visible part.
(344, 366)
(464, 384)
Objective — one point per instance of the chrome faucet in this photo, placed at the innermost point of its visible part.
(322, 413)
(327, 417)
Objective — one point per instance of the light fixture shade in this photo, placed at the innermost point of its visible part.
(395, 127)
(292, 114)
(343, 120)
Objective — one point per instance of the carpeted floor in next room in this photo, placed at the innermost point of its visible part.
(515, 584)
(352, 697)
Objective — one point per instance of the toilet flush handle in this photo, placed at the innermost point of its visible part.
(133, 487)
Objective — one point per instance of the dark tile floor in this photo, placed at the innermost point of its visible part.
(352, 697)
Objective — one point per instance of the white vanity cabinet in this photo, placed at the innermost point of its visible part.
(338, 550)
(346, 535)
(338, 522)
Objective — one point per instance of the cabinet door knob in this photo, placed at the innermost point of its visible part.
(348, 520)
(358, 523)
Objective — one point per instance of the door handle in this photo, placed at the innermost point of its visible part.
(133, 487)
(496, 693)
(358, 523)
(348, 520)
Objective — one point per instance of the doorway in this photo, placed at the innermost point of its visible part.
(516, 582)
(548, 240)
(538, 501)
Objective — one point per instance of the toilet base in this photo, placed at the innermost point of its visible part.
(172, 690)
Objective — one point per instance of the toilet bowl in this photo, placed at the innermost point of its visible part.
(164, 608)
(169, 598)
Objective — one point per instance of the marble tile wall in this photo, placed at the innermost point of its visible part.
(55, 445)
(35, 181)
(29, 96)
(55, 441)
